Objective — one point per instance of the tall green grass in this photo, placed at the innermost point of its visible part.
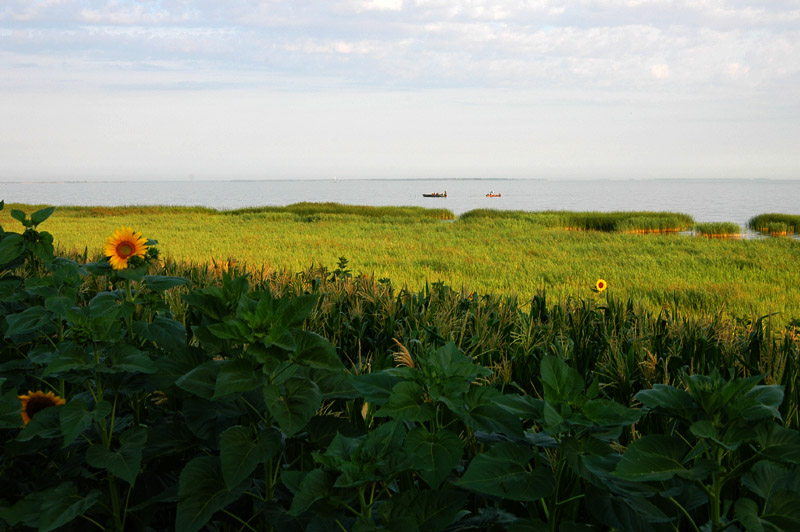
(501, 254)
(775, 223)
(593, 220)
(718, 229)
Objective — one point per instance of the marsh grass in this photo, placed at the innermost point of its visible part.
(775, 223)
(518, 254)
(626, 222)
(718, 229)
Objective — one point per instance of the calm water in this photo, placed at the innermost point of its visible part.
(705, 199)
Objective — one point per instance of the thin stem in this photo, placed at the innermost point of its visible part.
(98, 525)
(243, 522)
(684, 512)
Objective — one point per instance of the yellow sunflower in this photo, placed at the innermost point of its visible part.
(123, 245)
(34, 402)
(601, 285)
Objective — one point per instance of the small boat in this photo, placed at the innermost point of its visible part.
(493, 195)
(435, 195)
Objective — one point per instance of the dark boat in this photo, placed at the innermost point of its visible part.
(435, 195)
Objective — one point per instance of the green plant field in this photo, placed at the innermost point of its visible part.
(141, 395)
(498, 254)
(717, 229)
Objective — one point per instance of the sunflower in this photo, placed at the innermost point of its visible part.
(600, 285)
(36, 401)
(123, 245)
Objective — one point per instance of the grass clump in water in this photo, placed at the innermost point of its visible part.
(718, 229)
(775, 224)
(617, 221)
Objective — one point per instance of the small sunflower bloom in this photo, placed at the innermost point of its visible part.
(34, 402)
(123, 245)
(600, 285)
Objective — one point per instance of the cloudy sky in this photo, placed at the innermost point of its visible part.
(270, 89)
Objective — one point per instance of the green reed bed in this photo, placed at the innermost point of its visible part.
(500, 254)
(718, 229)
(775, 223)
(629, 222)
(191, 397)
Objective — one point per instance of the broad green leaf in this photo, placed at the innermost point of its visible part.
(68, 357)
(45, 424)
(42, 215)
(704, 429)
(766, 478)
(316, 485)
(59, 305)
(159, 283)
(431, 511)
(406, 403)
(315, 351)
(240, 452)
(480, 412)
(126, 461)
(201, 493)
(10, 407)
(778, 443)
(653, 457)
(504, 471)
(523, 406)
(29, 320)
(768, 399)
(208, 419)
(63, 504)
(201, 381)
(165, 332)
(746, 511)
(75, 419)
(126, 358)
(671, 401)
(434, 455)
(606, 413)
(50, 509)
(297, 309)
(375, 387)
(11, 246)
(450, 363)
(235, 376)
(292, 403)
(629, 513)
(561, 383)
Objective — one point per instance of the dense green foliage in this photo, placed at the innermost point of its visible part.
(498, 254)
(325, 400)
(717, 229)
(627, 221)
(775, 223)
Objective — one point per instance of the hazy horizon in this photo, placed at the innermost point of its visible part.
(403, 89)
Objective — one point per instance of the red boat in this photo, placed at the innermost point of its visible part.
(492, 195)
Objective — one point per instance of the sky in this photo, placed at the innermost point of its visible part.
(354, 89)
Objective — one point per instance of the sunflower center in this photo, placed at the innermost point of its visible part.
(124, 250)
(38, 403)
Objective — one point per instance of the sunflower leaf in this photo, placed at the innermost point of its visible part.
(75, 418)
(201, 493)
(293, 403)
(42, 215)
(125, 461)
(240, 453)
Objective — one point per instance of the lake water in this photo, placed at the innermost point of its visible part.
(707, 200)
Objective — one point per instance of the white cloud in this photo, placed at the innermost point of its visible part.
(661, 71)
(381, 5)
